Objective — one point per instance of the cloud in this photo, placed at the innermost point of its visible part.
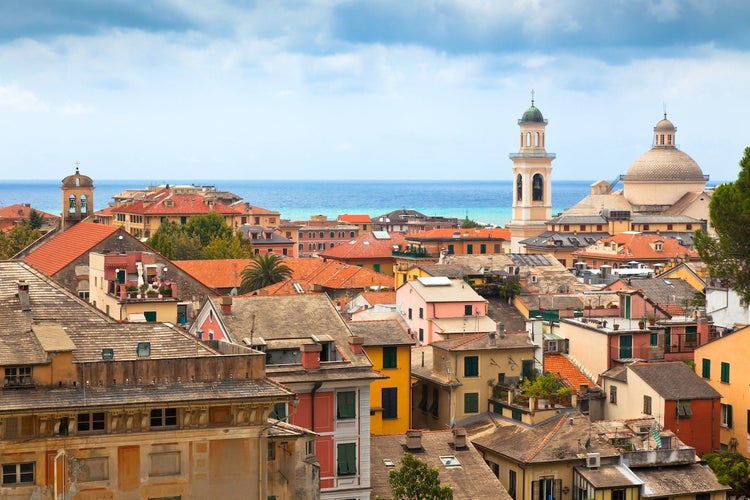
(12, 96)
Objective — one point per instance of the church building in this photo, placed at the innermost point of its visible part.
(663, 192)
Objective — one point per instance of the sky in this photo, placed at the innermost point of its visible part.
(370, 89)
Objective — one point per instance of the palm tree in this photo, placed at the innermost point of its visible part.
(264, 270)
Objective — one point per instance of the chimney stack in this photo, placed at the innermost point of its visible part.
(23, 295)
(459, 438)
(355, 343)
(414, 439)
(310, 356)
(501, 330)
(492, 338)
(226, 305)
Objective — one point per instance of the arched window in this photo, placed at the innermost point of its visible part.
(528, 139)
(536, 140)
(83, 203)
(519, 188)
(72, 203)
(537, 188)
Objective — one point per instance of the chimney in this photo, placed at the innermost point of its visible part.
(355, 343)
(23, 295)
(459, 438)
(226, 305)
(413, 439)
(493, 339)
(310, 356)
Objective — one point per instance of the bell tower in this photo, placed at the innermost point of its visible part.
(77, 199)
(532, 180)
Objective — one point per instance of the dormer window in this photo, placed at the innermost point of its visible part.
(658, 246)
(18, 376)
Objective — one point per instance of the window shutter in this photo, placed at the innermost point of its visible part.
(534, 489)
(557, 491)
(729, 416)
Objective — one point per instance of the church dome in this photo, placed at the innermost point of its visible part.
(77, 180)
(532, 115)
(664, 164)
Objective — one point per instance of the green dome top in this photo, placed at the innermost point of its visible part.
(532, 115)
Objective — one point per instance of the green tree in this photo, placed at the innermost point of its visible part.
(35, 220)
(544, 386)
(264, 270)
(206, 227)
(162, 243)
(731, 469)
(728, 254)
(16, 239)
(414, 480)
(227, 248)
(470, 224)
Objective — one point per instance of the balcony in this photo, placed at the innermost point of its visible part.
(417, 253)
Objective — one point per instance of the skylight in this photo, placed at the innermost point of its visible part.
(450, 461)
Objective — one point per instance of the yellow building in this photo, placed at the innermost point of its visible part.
(95, 408)
(723, 364)
(388, 345)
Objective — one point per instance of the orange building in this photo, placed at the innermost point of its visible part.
(475, 241)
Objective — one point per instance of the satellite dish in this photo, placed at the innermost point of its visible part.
(233, 291)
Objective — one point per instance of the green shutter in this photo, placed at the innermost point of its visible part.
(471, 402)
(706, 370)
(469, 249)
(389, 357)
(725, 372)
(347, 459)
(729, 416)
(150, 316)
(346, 404)
(471, 366)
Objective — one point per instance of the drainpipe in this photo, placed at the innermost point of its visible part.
(315, 388)
(60, 453)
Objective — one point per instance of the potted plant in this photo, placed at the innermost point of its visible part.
(132, 290)
(165, 291)
(641, 324)
(651, 320)
(615, 326)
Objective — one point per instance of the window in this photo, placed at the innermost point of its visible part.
(691, 334)
(566, 227)
(496, 248)
(618, 494)
(725, 372)
(613, 395)
(547, 488)
(279, 411)
(346, 405)
(495, 468)
(421, 334)
(469, 249)
(451, 250)
(519, 187)
(471, 366)
(410, 313)
(683, 409)
(376, 268)
(434, 407)
(689, 227)
(163, 418)
(19, 427)
(90, 422)
(389, 357)
(726, 416)
(450, 461)
(654, 340)
(482, 248)
(389, 397)
(647, 405)
(421, 313)
(467, 310)
(310, 447)
(271, 455)
(706, 368)
(346, 459)
(537, 190)
(512, 483)
(18, 376)
(18, 473)
(471, 402)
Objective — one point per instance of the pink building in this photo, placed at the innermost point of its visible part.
(439, 308)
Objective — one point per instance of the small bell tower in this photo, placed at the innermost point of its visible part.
(532, 180)
(77, 199)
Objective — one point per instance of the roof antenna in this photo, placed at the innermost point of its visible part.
(665, 110)
(532, 97)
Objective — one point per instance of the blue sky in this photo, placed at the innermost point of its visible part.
(381, 89)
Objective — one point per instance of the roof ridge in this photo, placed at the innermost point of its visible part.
(546, 439)
(468, 340)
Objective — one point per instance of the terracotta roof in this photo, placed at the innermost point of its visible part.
(463, 234)
(366, 246)
(469, 480)
(374, 298)
(636, 246)
(178, 204)
(308, 271)
(20, 211)
(355, 218)
(561, 366)
(65, 247)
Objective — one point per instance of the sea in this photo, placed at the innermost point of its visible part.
(488, 202)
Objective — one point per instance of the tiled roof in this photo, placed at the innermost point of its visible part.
(495, 233)
(378, 333)
(674, 380)
(178, 204)
(366, 246)
(374, 298)
(561, 366)
(664, 291)
(355, 218)
(471, 480)
(227, 273)
(65, 247)
(481, 342)
(455, 291)
(554, 440)
(679, 481)
(12, 214)
(637, 246)
(55, 311)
